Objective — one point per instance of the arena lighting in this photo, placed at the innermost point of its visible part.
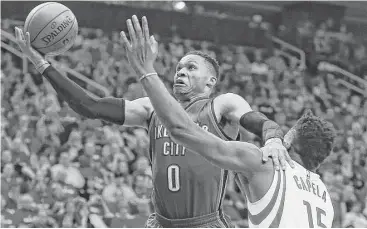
(257, 18)
(179, 5)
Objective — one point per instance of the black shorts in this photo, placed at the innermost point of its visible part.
(215, 220)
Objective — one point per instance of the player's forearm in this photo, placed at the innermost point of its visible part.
(217, 151)
(230, 155)
(231, 158)
(72, 93)
(257, 123)
(169, 111)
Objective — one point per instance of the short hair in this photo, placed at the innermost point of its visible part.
(212, 61)
(315, 139)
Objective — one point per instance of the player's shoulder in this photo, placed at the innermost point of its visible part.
(145, 102)
(228, 96)
(228, 99)
(147, 105)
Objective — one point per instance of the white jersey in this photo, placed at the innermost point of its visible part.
(296, 198)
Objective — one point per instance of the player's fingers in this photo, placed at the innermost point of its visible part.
(265, 155)
(138, 30)
(125, 41)
(28, 39)
(132, 34)
(145, 29)
(282, 162)
(22, 35)
(276, 161)
(152, 39)
(140, 38)
(289, 160)
(19, 39)
(154, 44)
(16, 33)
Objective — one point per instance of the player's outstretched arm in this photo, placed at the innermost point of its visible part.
(237, 156)
(237, 109)
(115, 110)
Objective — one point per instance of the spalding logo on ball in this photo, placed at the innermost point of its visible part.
(52, 27)
(68, 22)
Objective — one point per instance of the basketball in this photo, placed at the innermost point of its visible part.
(52, 27)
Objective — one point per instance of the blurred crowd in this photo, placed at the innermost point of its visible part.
(331, 41)
(59, 169)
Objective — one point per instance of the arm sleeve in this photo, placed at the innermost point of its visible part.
(109, 109)
(257, 123)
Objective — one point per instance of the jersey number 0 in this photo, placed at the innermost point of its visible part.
(173, 172)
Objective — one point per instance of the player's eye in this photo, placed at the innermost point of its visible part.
(192, 67)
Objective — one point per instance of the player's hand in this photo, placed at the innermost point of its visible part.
(24, 44)
(142, 49)
(278, 152)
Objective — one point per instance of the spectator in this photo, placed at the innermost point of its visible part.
(355, 218)
(118, 190)
(276, 62)
(65, 172)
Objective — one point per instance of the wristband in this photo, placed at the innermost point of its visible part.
(271, 140)
(146, 75)
(253, 121)
(41, 66)
(271, 130)
(257, 123)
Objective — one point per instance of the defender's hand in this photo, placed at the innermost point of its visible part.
(142, 50)
(278, 152)
(24, 44)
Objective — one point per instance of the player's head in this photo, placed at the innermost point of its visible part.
(196, 73)
(312, 139)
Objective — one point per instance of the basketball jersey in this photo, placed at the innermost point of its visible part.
(185, 184)
(296, 198)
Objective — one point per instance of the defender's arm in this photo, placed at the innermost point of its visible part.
(237, 109)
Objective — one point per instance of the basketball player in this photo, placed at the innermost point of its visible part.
(188, 190)
(292, 198)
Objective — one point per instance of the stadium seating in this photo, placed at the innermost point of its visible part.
(60, 170)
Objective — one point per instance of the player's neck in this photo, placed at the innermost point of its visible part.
(295, 157)
(192, 99)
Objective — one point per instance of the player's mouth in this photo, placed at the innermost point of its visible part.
(179, 83)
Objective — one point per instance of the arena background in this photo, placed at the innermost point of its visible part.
(61, 170)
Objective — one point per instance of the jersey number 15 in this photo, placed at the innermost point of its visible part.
(319, 212)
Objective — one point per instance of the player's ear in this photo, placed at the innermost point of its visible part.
(212, 81)
(289, 137)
